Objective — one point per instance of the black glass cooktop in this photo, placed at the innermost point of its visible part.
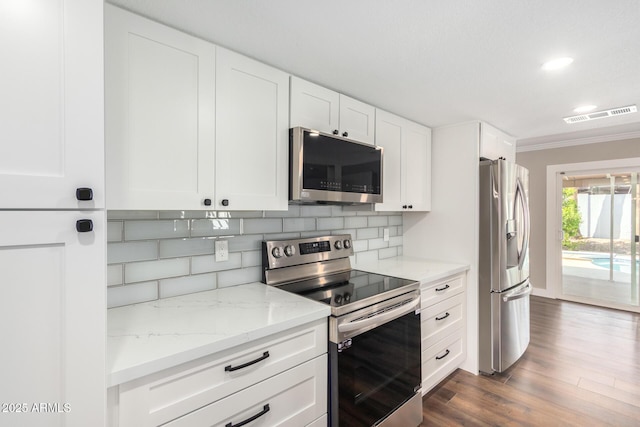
(351, 290)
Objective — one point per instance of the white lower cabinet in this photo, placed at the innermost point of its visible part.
(280, 379)
(442, 328)
(52, 318)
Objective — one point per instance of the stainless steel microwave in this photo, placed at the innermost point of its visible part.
(326, 168)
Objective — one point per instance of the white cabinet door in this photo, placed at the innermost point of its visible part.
(252, 134)
(160, 98)
(357, 120)
(416, 149)
(313, 106)
(389, 130)
(406, 162)
(52, 318)
(495, 144)
(51, 103)
(316, 107)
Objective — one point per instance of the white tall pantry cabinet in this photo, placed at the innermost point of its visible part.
(52, 219)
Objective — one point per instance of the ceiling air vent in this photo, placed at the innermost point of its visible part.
(601, 114)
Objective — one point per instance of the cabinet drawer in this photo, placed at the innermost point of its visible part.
(169, 394)
(320, 422)
(441, 359)
(433, 293)
(293, 398)
(441, 319)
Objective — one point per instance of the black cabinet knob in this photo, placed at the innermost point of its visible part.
(225, 202)
(335, 131)
(345, 134)
(84, 225)
(404, 206)
(410, 206)
(84, 193)
(207, 202)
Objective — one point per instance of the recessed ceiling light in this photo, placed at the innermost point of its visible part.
(585, 108)
(556, 64)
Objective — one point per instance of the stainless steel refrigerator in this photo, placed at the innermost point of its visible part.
(503, 273)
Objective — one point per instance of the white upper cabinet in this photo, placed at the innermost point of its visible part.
(252, 134)
(319, 108)
(495, 144)
(160, 129)
(406, 172)
(51, 106)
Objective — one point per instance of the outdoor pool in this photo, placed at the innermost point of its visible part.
(622, 265)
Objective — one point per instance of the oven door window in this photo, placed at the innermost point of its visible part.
(378, 372)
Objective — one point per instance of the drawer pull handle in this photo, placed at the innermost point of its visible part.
(443, 317)
(443, 288)
(230, 368)
(446, 353)
(265, 409)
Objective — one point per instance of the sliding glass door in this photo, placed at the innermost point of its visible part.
(599, 238)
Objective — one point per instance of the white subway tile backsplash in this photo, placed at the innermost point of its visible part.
(251, 259)
(313, 210)
(355, 222)
(114, 231)
(378, 221)
(377, 244)
(360, 245)
(114, 275)
(238, 277)
(262, 225)
(395, 220)
(187, 285)
(299, 224)
(161, 229)
(173, 248)
(152, 270)
(330, 223)
(131, 215)
(251, 242)
(132, 251)
(161, 254)
(131, 294)
(395, 241)
(207, 264)
(366, 233)
(215, 227)
(388, 252)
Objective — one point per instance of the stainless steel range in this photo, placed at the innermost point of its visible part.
(374, 329)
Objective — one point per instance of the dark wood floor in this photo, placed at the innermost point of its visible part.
(582, 368)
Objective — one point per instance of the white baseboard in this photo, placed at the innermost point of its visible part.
(545, 293)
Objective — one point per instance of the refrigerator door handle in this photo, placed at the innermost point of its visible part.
(525, 207)
(512, 296)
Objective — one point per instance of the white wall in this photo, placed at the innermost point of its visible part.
(450, 231)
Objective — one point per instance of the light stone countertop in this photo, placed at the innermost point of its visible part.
(149, 337)
(412, 268)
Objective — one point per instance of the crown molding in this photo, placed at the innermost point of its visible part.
(578, 141)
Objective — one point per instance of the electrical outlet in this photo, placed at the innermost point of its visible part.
(385, 234)
(222, 250)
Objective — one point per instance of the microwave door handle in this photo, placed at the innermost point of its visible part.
(380, 318)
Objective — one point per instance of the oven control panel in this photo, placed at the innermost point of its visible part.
(287, 253)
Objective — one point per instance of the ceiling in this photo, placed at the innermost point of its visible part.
(441, 62)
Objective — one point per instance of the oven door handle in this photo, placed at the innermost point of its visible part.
(381, 318)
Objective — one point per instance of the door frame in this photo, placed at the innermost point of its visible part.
(554, 225)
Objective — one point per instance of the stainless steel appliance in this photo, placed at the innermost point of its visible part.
(504, 286)
(374, 330)
(326, 168)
